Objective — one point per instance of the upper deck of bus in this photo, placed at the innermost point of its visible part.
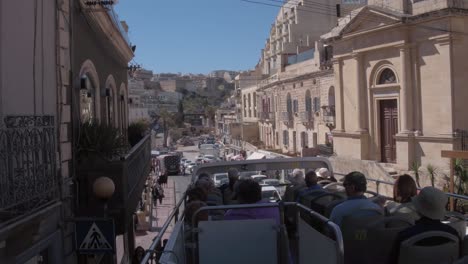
(263, 241)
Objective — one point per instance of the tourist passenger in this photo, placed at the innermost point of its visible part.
(297, 184)
(190, 210)
(355, 184)
(430, 204)
(250, 192)
(311, 183)
(213, 196)
(404, 190)
(324, 174)
(228, 189)
(196, 194)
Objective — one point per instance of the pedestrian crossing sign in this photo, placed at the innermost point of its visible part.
(95, 236)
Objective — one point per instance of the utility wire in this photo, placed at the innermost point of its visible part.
(364, 18)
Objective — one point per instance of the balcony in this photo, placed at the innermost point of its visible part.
(286, 117)
(306, 117)
(28, 179)
(329, 115)
(267, 116)
(129, 174)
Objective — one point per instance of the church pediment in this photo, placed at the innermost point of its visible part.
(369, 19)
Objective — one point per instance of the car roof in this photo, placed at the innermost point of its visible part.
(268, 188)
(270, 180)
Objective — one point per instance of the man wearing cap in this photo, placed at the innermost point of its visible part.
(355, 184)
(430, 205)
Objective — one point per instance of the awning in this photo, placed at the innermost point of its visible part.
(256, 155)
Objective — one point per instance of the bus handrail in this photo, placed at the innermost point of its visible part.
(157, 240)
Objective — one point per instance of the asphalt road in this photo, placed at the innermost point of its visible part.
(181, 182)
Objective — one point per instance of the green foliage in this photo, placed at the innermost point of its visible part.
(461, 176)
(432, 173)
(101, 139)
(415, 169)
(137, 131)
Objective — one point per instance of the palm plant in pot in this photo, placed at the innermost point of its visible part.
(101, 140)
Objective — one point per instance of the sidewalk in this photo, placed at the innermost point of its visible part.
(160, 213)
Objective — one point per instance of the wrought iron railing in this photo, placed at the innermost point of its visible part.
(329, 119)
(267, 116)
(137, 164)
(305, 117)
(286, 116)
(28, 178)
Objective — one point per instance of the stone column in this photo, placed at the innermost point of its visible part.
(404, 91)
(359, 96)
(339, 102)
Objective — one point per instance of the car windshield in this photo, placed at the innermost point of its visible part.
(258, 178)
(270, 195)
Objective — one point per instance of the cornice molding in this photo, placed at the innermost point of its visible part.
(103, 24)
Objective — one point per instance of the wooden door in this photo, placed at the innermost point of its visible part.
(388, 129)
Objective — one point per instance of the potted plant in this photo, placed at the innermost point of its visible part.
(100, 140)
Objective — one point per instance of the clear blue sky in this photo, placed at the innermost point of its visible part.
(196, 36)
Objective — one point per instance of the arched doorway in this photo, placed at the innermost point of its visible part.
(388, 117)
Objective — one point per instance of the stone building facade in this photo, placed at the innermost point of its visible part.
(400, 81)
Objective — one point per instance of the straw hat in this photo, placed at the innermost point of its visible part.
(322, 172)
(430, 202)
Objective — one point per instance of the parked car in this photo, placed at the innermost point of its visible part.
(271, 194)
(219, 177)
(189, 168)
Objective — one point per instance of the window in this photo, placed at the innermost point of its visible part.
(316, 104)
(386, 77)
(308, 102)
(295, 106)
(277, 138)
(294, 85)
(304, 139)
(289, 103)
(285, 138)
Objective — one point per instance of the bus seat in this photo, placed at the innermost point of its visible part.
(411, 253)
(240, 242)
(382, 235)
(465, 246)
(320, 202)
(463, 260)
(355, 230)
(457, 221)
(314, 245)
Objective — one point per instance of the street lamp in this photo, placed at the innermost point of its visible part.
(103, 188)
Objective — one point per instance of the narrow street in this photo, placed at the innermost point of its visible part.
(173, 191)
